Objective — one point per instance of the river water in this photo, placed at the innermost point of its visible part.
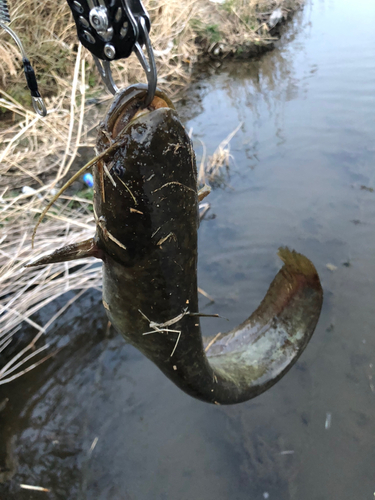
(101, 422)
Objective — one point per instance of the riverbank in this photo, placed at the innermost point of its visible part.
(182, 33)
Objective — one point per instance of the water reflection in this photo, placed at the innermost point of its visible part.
(253, 90)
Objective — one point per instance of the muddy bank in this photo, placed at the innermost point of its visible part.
(240, 31)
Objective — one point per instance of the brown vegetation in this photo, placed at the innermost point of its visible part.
(181, 32)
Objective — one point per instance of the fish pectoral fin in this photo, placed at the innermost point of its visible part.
(87, 248)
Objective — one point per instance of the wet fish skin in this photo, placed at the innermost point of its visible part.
(146, 209)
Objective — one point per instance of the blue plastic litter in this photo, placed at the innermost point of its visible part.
(88, 180)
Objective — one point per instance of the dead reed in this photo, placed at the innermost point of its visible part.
(31, 147)
(24, 291)
(181, 32)
(211, 169)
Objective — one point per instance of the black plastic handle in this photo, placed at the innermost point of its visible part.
(108, 29)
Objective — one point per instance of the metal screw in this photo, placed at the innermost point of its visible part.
(109, 51)
(99, 18)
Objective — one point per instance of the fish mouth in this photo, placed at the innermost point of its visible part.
(129, 105)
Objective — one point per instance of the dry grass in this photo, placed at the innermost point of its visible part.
(31, 146)
(39, 152)
(211, 168)
(36, 149)
(181, 32)
(24, 291)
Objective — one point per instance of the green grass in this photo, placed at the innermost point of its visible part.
(209, 31)
(86, 194)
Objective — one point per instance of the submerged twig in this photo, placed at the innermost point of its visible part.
(210, 170)
(212, 341)
(205, 294)
(35, 488)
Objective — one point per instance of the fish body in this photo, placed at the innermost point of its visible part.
(146, 212)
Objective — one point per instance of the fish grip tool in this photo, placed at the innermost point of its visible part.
(114, 29)
(32, 84)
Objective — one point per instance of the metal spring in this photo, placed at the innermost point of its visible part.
(4, 11)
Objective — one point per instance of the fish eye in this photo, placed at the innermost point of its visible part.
(118, 169)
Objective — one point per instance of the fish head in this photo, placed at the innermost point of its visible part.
(146, 186)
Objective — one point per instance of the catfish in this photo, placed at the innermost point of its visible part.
(147, 218)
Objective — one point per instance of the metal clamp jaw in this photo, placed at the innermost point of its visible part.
(113, 29)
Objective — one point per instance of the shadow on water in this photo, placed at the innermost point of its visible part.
(100, 421)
